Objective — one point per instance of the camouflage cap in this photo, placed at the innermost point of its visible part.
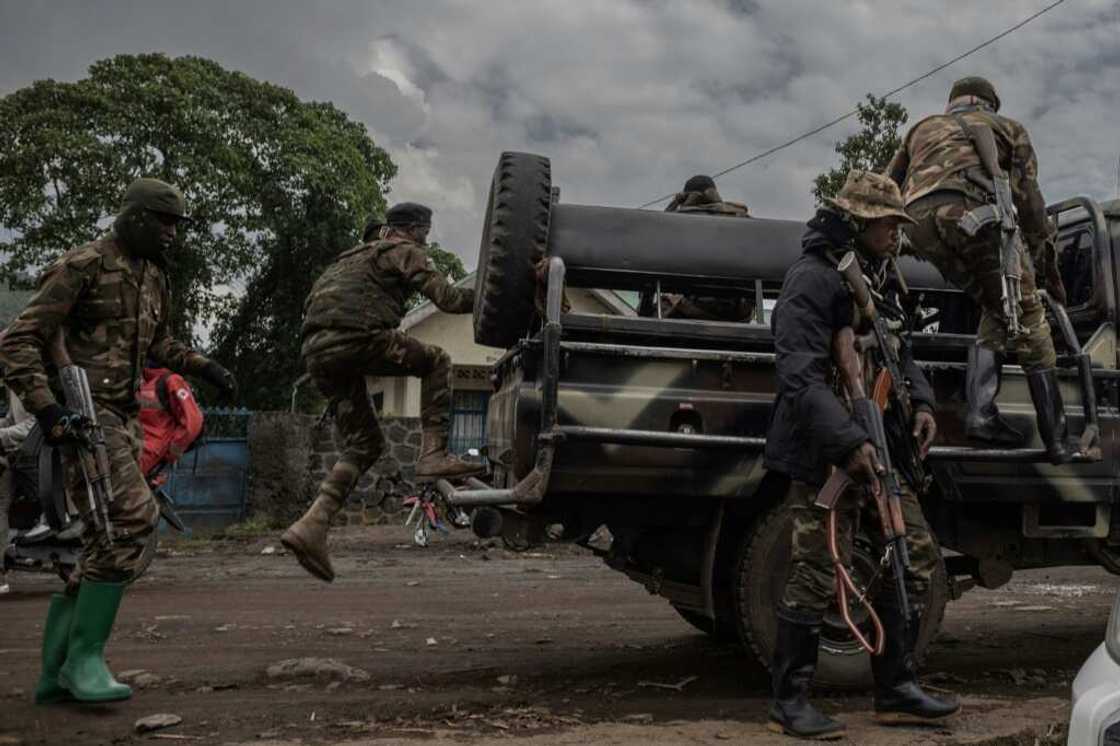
(869, 196)
(408, 213)
(157, 196)
(974, 85)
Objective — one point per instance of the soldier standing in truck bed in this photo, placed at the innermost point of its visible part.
(812, 431)
(942, 179)
(350, 332)
(110, 300)
(700, 197)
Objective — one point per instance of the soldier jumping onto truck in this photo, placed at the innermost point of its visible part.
(945, 184)
(110, 301)
(350, 332)
(812, 432)
(700, 197)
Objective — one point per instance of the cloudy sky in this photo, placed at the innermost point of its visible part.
(627, 98)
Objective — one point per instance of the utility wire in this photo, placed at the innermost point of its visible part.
(888, 94)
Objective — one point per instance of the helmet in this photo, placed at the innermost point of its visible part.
(869, 195)
(155, 195)
(975, 86)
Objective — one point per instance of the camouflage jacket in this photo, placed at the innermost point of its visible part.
(114, 315)
(937, 155)
(366, 290)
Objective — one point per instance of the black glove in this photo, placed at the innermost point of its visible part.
(60, 425)
(221, 379)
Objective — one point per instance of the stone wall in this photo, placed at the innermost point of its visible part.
(290, 454)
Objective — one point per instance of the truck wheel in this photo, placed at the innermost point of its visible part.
(514, 239)
(759, 581)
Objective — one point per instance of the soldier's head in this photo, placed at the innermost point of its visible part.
(873, 206)
(974, 89)
(409, 220)
(701, 190)
(150, 212)
(372, 231)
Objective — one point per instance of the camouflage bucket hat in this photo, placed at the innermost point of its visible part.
(869, 196)
(157, 196)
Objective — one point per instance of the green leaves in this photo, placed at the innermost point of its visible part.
(275, 187)
(870, 149)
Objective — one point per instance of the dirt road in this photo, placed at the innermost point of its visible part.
(480, 645)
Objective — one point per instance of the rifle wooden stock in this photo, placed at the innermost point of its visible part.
(881, 390)
(848, 362)
(853, 273)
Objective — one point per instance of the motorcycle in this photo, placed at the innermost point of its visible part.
(45, 527)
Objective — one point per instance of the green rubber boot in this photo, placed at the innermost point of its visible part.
(84, 673)
(56, 638)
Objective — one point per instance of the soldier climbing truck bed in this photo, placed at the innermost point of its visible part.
(655, 427)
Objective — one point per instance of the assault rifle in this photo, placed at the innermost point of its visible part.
(889, 390)
(91, 450)
(890, 383)
(1001, 212)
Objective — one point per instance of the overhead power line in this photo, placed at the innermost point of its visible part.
(888, 94)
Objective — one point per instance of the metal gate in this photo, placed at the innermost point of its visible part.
(210, 483)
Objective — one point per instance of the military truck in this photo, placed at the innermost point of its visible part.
(655, 427)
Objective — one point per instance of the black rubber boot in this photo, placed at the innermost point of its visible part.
(1051, 412)
(792, 669)
(898, 696)
(982, 384)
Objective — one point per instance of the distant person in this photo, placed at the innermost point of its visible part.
(14, 427)
(700, 196)
(350, 331)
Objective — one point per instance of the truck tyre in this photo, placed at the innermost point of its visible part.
(761, 570)
(514, 239)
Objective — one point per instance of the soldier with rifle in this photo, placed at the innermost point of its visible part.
(970, 181)
(100, 311)
(868, 418)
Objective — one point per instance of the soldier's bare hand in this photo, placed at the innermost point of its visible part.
(863, 466)
(925, 430)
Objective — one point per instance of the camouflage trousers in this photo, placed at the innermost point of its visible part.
(133, 512)
(340, 373)
(810, 587)
(972, 264)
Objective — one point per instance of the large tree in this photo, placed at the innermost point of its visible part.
(275, 186)
(870, 149)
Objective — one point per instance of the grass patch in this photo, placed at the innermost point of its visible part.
(253, 527)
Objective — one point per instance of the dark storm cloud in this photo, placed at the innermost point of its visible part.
(627, 98)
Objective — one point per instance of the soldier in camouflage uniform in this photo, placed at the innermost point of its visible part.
(110, 301)
(812, 432)
(700, 197)
(942, 179)
(350, 332)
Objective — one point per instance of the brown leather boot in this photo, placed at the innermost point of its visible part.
(307, 538)
(435, 462)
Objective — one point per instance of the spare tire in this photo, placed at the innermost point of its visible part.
(514, 239)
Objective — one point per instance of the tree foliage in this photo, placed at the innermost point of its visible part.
(870, 149)
(276, 187)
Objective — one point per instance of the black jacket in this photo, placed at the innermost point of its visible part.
(810, 429)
